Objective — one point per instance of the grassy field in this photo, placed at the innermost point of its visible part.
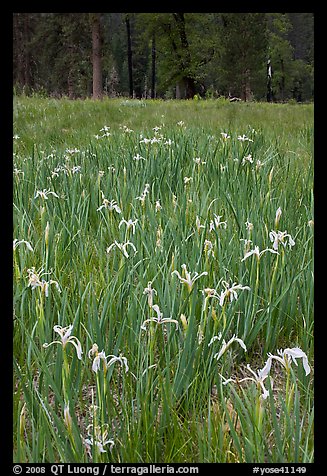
(163, 281)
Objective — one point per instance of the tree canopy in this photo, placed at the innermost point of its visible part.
(164, 55)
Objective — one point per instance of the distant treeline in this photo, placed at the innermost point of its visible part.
(250, 56)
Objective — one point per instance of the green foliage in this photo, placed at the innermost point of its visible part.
(243, 61)
(208, 54)
(292, 65)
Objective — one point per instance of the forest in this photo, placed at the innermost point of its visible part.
(241, 56)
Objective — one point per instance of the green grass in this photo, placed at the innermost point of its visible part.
(171, 406)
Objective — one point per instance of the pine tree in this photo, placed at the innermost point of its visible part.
(245, 53)
(95, 19)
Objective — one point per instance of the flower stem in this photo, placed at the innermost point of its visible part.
(65, 375)
(269, 322)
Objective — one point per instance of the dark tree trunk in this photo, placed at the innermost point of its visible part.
(185, 88)
(21, 51)
(153, 72)
(178, 91)
(70, 84)
(96, 56)
(27, 74)
(129, 57)
(189, 88)
(282, 81)
(185, 59)
(18, 55)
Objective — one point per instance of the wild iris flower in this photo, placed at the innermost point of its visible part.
(109, 205)
(98, 436)
(130, 224)
(225, 345)
(17, 243)
(278, 237)
(258, 378)
(188, 280)
(66, 338)
(122, 247)
(278, 215)
(258, 253)
(216, 223)
(230, 292)
(158, 206)
(285, 357)
(208, 248)
(138, 157)
(34, 280)
(159, 319)
(44, 194)
(142, 197)
(150, 291)
(101, 356)
(243, 138)
(249, 226)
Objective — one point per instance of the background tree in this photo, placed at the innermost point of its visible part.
(165, 55)
(60, 54)
(115, 55)
(280, 53)
(153, 66)
(244, 57)
(301, 38)
(129, 55)
(95, 19)
(21, 50)
(182, 51)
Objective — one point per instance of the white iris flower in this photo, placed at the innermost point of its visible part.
(66, 338)
(230, 292)
(278, 215)
(285, 357)
(122, 247)
(109, 205)
(159, 319)
(217, 223)
(258, 378)
(258, 253)
(101, 356)
(44, 194)
(129, 224)
(188, 280)
(278, 237)
(34, 281)
(98, 437)
(226, 345)
(150, 291)
(17, 243)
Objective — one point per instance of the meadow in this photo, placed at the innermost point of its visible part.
(162, 281)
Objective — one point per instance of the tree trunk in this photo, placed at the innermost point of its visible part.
(129, 56)
(27, 55)
(178, 91)
(153, 73)
(246, 94)
(189, 88)
(22, 56)
(18, 54)
(185, 59)
(282, 81)
(70, 84)
(96, 57)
